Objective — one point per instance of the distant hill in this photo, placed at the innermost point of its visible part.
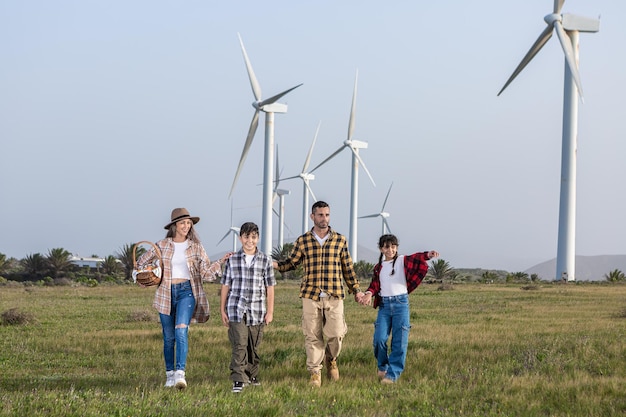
(588, 268)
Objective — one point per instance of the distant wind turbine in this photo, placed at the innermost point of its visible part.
(306, 188)
(354, 146)
(269, 107)
(383, 214)
(232, 230)
(280, 193)
(567, 28)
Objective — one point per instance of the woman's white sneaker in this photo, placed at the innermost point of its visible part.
(179, 380)
(169, 381)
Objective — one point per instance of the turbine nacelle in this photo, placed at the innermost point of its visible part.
(355, 144)
(270, 108)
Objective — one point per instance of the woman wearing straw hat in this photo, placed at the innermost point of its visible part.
(180, 298)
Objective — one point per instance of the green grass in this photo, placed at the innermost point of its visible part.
(479, 350)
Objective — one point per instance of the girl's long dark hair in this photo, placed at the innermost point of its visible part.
(384, 241)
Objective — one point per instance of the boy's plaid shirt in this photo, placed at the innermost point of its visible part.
(324, 266)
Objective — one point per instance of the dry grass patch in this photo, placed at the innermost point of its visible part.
(14, 317)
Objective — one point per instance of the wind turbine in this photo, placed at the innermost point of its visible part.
(383, 214)
(306, 188)
(567, 28)
(354, 146)
(269, 107)
(234, 230)
(280, 193)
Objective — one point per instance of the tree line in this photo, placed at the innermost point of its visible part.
(57, 265)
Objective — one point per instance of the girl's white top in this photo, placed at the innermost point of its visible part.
(391, 285)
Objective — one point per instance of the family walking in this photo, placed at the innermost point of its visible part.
(247, 297)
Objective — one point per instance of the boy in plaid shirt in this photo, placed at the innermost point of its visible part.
(247, 305)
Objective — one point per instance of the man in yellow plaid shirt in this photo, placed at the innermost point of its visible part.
(326, 260)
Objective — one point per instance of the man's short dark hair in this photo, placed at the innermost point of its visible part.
(248, 228)
(319, 204)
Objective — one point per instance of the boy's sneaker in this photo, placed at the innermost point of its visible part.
(316, 379)
(179, 380)
(238, 386)
(381, 374)
(254, 381)
(387, 381)
(169, 381)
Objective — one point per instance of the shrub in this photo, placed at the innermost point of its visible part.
(14, 317)
(530, 287)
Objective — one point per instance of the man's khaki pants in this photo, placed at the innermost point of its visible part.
(321, 320)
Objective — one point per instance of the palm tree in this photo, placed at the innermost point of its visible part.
(110, 266)
(35, 264)
(59, 262)
(489, 276)
(615, 276)
(363, 269)
(517, 277)
(280, 253)
(440, 269)
(125, 255)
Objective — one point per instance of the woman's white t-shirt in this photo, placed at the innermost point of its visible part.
(180, 269)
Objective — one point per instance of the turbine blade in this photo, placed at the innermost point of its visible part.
(256, 88)
(385, 203)
(558, 5)
(369, 215)
(539, 43)
(328, 159)
(308, 187)
(307, 161)
(353, 108)
(356, 154)
(225, 236)
(277, 96)
(290, 178)
(566, 44)
(246, 148)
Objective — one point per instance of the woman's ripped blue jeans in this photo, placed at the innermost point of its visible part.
(176, 326)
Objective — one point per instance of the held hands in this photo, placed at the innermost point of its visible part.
(433, 254)
(366, 300)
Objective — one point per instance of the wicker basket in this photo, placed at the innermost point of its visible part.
(151, 274)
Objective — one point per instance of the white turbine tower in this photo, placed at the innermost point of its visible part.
(306, 188)
(280, 193)
(567, 28)
(232, 230)
(354, 146)
(383, 214)
(269, 107)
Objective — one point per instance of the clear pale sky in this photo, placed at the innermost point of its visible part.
(114, 112)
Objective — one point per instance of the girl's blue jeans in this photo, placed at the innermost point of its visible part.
(176, 326)
(392, 319)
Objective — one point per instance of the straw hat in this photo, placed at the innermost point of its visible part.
(181, 214)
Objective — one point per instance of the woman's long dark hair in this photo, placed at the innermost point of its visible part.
(384, 241)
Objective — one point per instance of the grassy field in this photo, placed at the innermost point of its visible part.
(477, 350)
